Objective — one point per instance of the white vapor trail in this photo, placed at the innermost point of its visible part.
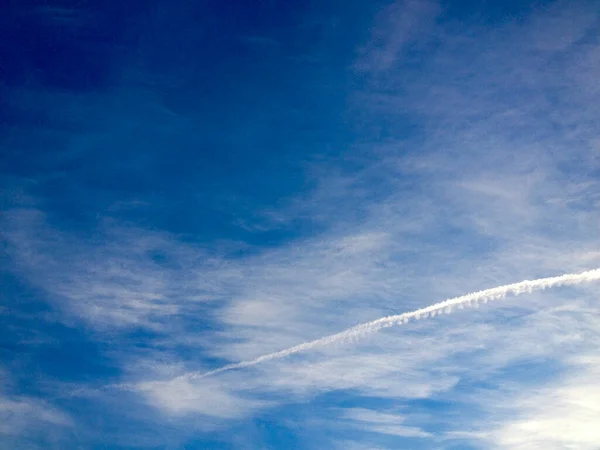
(446, 306)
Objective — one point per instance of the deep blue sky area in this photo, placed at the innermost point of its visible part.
(240, 96)
(185, 185)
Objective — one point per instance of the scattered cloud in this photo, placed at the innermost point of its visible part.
(498, 182)
(384, 423)
(20, 414)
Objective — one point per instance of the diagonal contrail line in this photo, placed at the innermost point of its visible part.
(446, 306)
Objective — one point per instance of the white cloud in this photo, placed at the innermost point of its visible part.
(564, 411)
(209, 398)
(19, 415)
(564, 415)
(25, 416)
(384, 423)
(125, 277)
(356, 445)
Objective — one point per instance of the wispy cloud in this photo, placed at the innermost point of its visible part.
(122, 277)
(22, 415)
(498, 183)
(380, 422)
(183, 396)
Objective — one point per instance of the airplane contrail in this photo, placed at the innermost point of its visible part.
(446, 306)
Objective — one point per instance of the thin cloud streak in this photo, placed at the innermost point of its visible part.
(358, 331)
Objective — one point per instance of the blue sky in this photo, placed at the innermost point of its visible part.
(186, 185)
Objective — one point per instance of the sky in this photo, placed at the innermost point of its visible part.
(185, 185)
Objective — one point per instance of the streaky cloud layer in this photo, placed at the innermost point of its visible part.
(467, 300)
